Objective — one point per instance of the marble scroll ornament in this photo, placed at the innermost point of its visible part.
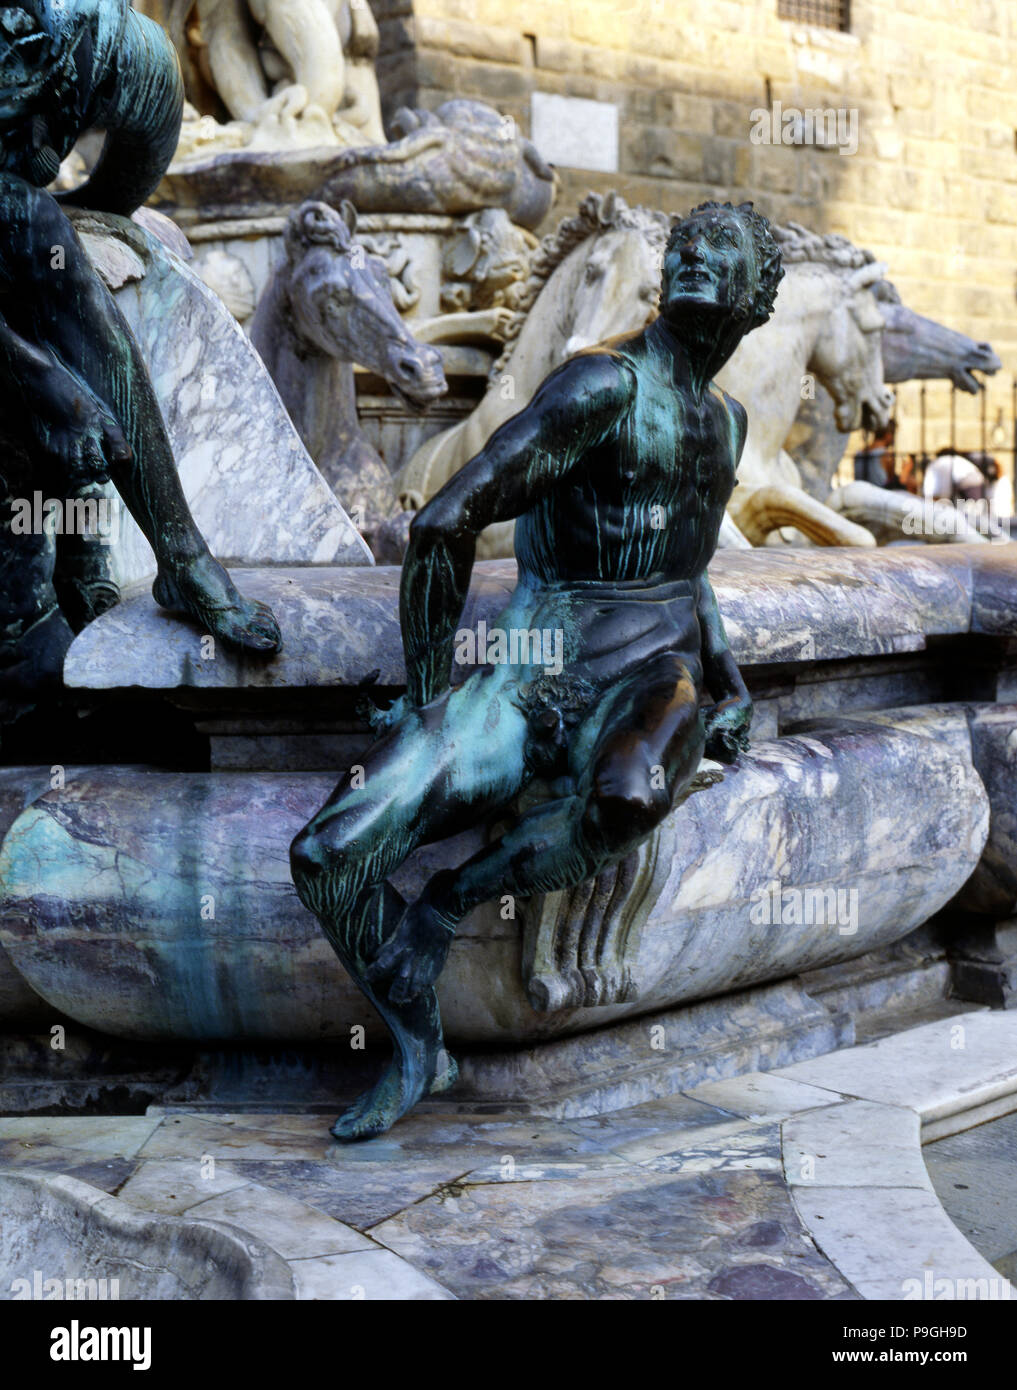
(581, 944)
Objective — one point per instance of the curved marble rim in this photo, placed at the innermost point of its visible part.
(326, 1261)
(269, 1277)
(852, 1128)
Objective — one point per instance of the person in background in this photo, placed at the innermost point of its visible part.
(876, 463)
(909, 474)
(997, 491)
(952, 476)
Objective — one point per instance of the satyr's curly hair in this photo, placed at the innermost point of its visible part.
(768, 257)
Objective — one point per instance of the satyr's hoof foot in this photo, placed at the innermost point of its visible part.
(203, 590)
(377, 1109)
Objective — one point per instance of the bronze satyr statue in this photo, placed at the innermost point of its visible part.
(618, 472)
(79, 407)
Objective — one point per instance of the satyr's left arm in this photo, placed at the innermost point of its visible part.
(728, 721)
(140, 105)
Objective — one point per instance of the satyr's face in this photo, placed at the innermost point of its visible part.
(709, 267)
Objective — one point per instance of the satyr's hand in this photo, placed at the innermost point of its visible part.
(74, 429)
(414, 955)
(727, 728)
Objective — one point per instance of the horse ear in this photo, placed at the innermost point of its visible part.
(865, 276)
(348, 213)
(612, 208)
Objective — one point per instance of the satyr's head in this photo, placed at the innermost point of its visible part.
(34, 39)
(720, 263)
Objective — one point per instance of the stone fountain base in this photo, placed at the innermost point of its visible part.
(154, 906)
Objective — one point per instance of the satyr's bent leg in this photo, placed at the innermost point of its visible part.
(343, 856)
(633, 757)
(66, 309)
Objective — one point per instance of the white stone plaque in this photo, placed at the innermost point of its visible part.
(574, 132)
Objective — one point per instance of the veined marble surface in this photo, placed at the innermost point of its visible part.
(340, 627)
(161, 905)
(252, 487)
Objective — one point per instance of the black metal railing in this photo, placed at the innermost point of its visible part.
(974, 428)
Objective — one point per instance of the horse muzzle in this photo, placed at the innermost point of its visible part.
(417, 375)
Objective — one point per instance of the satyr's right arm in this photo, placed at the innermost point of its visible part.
(573, 410)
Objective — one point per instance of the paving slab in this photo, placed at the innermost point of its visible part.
(856, 1144)
(893, 1244)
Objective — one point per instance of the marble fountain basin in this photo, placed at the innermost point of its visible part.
(160, 905)
(61, 1238)
(156, 905)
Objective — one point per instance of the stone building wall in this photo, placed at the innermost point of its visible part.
(931, 188)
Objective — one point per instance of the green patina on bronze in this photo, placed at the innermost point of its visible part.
(78, 406)
(618, 472)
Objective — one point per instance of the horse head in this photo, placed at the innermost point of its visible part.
(848, 353)
(341, 304)
(917, 348)
(613, 277)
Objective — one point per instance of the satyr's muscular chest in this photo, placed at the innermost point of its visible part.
(668, 452)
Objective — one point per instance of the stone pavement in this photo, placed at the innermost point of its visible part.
(674, 1199)
(803, 1183)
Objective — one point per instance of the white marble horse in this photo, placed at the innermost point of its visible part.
(914, 349)
(597, 275)
(826, 329)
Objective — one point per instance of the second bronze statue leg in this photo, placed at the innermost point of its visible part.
(341, 861)
(58, 303)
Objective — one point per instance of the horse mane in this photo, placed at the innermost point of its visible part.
(798, 244)
(315, 224)
(597, 213)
